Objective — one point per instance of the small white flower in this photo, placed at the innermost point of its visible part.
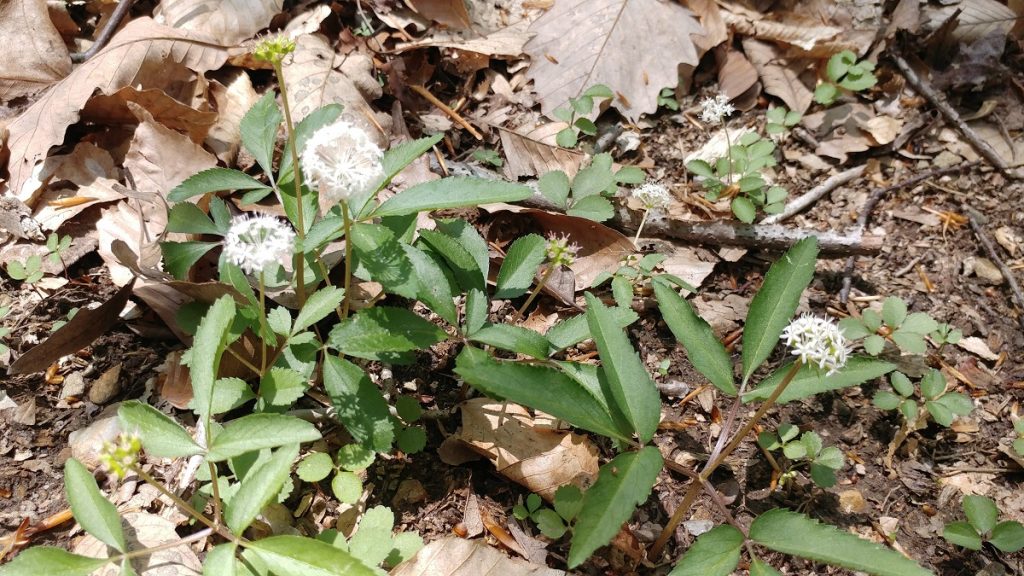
(653, 195)
(342, 161)
(715, 109)
(254, 243)
(817, 341)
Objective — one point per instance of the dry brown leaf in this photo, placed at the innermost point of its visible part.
(601, 248)
(79, 332)
(978, 19)
(883, 129)
(523, 450)
(232, 101)
(146, 530)
(113, 109)
(507, 42)
(91, 169)
(905, 16)
(452, 556)
(160, 158)
(736, 75)
(715, 31)
(780, 78)
(227, 21)
(631, 46)
(36, 55)
(318, 76)
(137, 56)
(533, 152)
(804, 34)
(451, 13)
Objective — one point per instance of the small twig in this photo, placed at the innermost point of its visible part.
(447, 110)
(874, 199)
(910, 265)
(1018, 296)
(984, 149)
(108, 32)
(813, 195)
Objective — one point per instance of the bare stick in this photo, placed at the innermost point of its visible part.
(108, 32)
(874, 199)
(814, 194)
(447, 110)
(1018, 296)
(984, 149)
(775, 237)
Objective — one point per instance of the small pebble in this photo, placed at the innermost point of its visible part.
(852, 502)
(107, 386)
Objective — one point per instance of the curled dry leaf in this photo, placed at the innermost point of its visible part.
(451, 13)
(136, 56)
(781, 78)
(169, 111)
(977, 19)
(228, 21)
(523, 450)
(91, 169)
(736, 75)
(36, 55)
(632, 46)
(804, 34)
(452, 556)
(233, 100)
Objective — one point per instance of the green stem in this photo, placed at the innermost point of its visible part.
(696, 486)
(263, 326)
(347, 302)
(204, 533)
(199, 516)
(728, 150)
(300, 261)
(536, 291)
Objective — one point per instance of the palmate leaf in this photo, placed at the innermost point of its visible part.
(635, 394)
(810, 380)
(52, 562)
(259, 489)
(91, 508)
(258, 431)
(785, 531)
(703, 348)
(453, 192)
(539, 387)
(622, 485)
(776, 302)
(715, 553)
(298, 556)
(359, 404)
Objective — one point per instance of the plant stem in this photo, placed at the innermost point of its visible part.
(217, 519)
(300, 261)
(640, 228)
(347, 302)
(199, 516)
(204, 533)
(696, 486)
(728, 150)
(263, 325)
(533, 295)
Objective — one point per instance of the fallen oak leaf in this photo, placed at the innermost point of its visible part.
(136, 56)
(79, 332)
(631, 46)
(38, 55)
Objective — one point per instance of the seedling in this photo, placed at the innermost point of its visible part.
(575, 114)
(553, 523)
(807, 450)
(587, 195)
(634, 278)
(667, 98)
(780, 119)
(488, 156)
(844, 72)
(941, 405)
(982, 526)
(738, 177)
(894, 324)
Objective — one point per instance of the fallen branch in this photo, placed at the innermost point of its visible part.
(990, 249)
(772, 236)
(984, 149)
(869, 207)
(814, 194)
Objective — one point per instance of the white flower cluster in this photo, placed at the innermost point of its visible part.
(714, 110)
(817, 341)
(342, 161)
(653, 195)
(254, 243)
